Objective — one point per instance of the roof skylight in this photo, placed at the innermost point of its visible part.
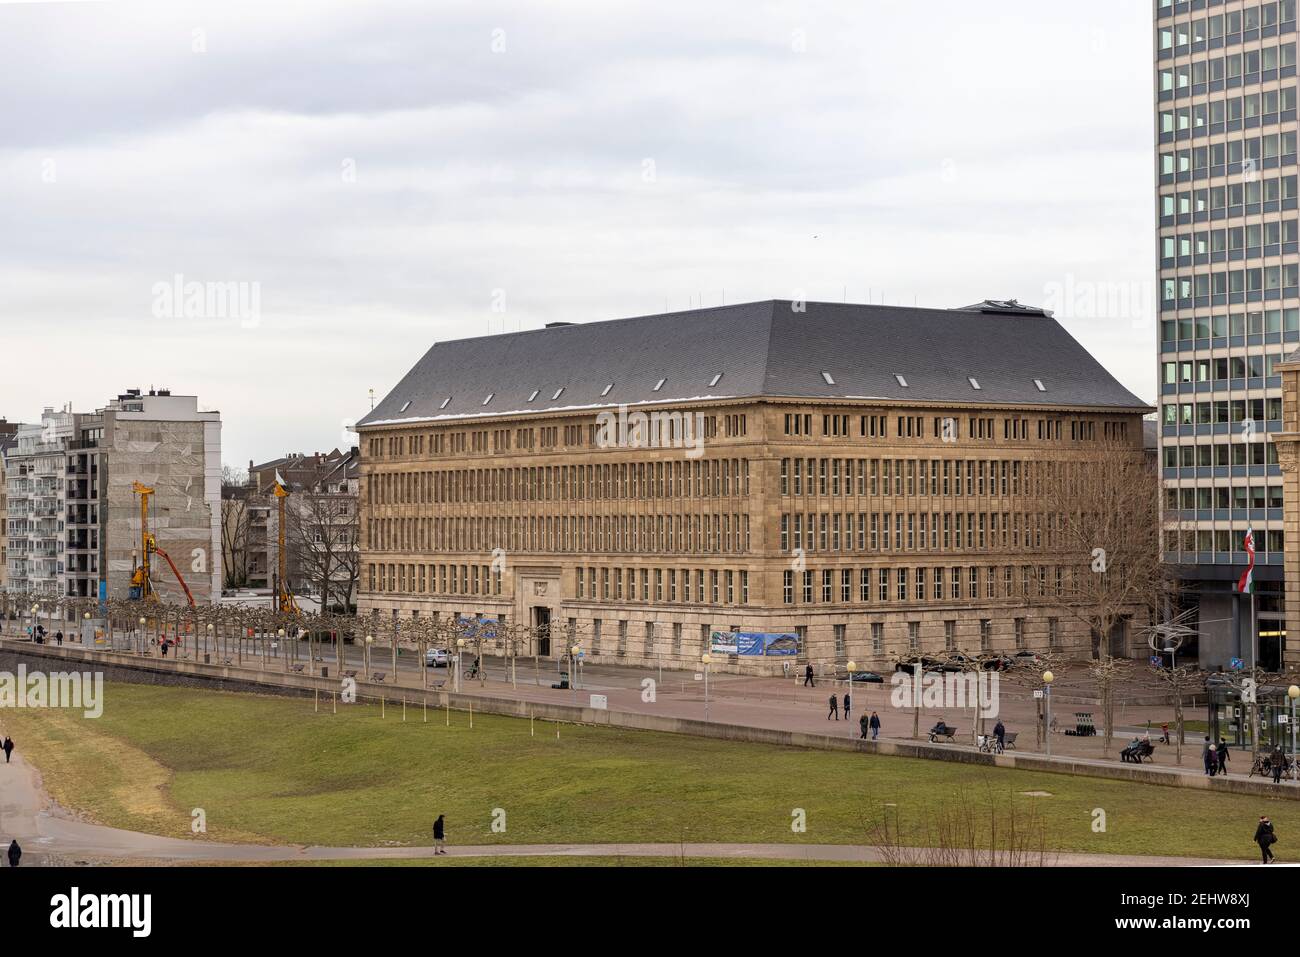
(445, 402)
(659, 385)
(558, 393)
(534, 395)
(901, 380)
(715, 380)
(605, 391)
(405, 405)
(974, 382)
(1038, 384)
(827, 377)
(489, 398)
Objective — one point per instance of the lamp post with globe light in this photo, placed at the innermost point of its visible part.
(705, 659)
(1048, 678)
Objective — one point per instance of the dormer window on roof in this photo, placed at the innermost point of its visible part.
(974, 382)
(445, 402)
(534, 395)
(405, 405)
(558, 393)
(827, 377)
(489, 398)
(605, 391)
(1038, 384)
(901, 380)
(715, 380)
(659, 385)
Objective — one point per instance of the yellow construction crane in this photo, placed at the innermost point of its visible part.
(142, 580)
(284, 597)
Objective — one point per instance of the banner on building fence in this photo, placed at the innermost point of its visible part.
(485, 628)
(754, 644)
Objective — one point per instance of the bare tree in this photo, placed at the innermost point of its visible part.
(234, 541)
(1107, 524)
(1106, 672)
(321, 541)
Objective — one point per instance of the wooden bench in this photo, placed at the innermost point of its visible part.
(378, 675)
(438, 684)
(296, 668)
(946, 731)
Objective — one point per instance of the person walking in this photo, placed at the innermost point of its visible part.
(835, 708)
(1000, 732)
(1221, 752)
(864, 724)
(875, 726)
(1265, 838)
(1278, 761)
(1164, 733)
(846, 705)
(58, 637)
(8, 747)
(15, 852)
(808, 677)
(439, 836)
(1211, 759)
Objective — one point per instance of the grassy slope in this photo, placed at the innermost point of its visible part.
(270, 769)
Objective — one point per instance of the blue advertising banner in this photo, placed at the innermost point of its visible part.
(754, 644)
(485, 628)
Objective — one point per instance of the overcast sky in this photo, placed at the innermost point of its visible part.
(383, 175)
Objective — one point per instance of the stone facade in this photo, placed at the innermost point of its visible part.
(868, 529)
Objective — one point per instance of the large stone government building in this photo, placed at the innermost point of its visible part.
(866, 480)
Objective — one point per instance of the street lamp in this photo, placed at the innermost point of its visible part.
(1048, 678)
(573, 667)
(1293, 692)
(851, 667)
(141, 634)
(35, 609)
(705, 659)
(370, 640)
(460, 650)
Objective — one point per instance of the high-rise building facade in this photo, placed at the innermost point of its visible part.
(1228, 249)
(73, 518)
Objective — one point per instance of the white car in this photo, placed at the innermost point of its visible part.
(435, 658)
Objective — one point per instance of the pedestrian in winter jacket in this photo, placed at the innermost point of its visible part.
(1265, 838)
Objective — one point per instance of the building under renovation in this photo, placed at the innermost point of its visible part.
(75, 484)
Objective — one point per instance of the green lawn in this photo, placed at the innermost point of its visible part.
(270, 769)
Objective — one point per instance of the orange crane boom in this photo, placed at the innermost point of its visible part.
(142, 579)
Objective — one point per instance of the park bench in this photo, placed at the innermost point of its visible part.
(296, 668)
(941, 730)
(1136, 751)
(378, 676)
(1009, 739)
(228, 661)
(439, 683)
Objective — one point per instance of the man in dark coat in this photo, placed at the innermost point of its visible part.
(439, 847)
(875, 726)
(835, 708)
(1221, 751)
(1278, 761)
(15, 852)
(1265, 838)
(846, 705)
(1000, 732)
(8, 747)
(808, 677)
(863, 724)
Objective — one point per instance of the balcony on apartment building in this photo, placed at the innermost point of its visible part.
(81, 515)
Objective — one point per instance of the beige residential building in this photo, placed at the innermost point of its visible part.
(836, 481)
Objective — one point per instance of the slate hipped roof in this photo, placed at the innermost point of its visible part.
(771, 348)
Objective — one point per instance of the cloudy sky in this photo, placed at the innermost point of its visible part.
(378, 176)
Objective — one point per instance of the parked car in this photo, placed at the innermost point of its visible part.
(436, 658)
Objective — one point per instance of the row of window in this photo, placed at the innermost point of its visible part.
(946, 428)
(1243, 67)
(712, 533)
(1234, 241)
(1203, 328)
(714, 586)
(1240, 159)
(1220, 411)
(1221, 369)
(653, 429)
(1176, 291)
(932, 477)
(871, 531)
(1208, 455)
(1224, 497)
(1263, 106)
(1225, 27)
(421, 579)
(703, 478)
(937, 583)
(1223, 540)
